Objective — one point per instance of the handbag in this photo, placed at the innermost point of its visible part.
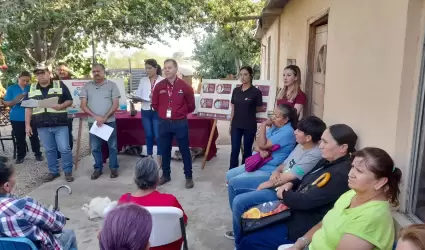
(255, 161)
(264, 215)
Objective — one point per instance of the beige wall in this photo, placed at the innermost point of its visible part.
(373, 61)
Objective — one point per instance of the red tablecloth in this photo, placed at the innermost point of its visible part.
(130, 132)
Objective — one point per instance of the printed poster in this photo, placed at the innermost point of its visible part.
(75, 87)
(216, 95)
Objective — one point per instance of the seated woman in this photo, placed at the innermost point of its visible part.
(308, 202)
(147, 178)
(126, 227)
(361, 218)
(281, 132)
(301, 160)
(412, 238)
(25, 217)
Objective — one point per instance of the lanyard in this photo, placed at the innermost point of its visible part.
(170, 88)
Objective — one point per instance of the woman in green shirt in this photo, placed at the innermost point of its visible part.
(361, 218)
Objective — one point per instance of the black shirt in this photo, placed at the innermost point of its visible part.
(245, 107)
(309, 206)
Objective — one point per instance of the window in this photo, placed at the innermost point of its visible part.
(416, 199)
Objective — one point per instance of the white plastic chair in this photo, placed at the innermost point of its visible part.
(167, 226)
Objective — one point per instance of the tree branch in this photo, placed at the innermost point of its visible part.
(56, 40)
(36, 40)
(29, 56)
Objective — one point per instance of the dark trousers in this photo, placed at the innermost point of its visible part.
(71, 138)
(18, 128)
(270, 237)
(236, 135)
(168, 129)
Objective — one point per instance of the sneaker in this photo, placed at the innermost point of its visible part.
(19, 161)
(68, 177)
(96, 174)
(229, 235)
(189, 183)
(114, 173)
(164, 179)
(50, 177)
(39, 158)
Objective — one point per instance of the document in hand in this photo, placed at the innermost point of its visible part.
(46, 103)
(104, 131)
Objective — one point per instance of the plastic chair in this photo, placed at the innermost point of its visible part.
(10, 243)
(167, 226)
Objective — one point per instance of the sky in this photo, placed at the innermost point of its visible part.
(185, 44)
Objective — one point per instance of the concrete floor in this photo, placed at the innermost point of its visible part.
(206, 204)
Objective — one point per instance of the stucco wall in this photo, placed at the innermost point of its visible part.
(373, 64)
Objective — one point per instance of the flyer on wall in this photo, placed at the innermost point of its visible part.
(216, 95)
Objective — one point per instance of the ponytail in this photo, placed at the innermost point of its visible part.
(158, 70)
(393, 190)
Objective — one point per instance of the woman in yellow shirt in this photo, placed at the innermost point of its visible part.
(361, 218)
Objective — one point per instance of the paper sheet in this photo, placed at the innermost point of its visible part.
(46, 103)
(104, 132)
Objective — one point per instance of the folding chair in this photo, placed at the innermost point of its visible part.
(168, 226)
(9, 243)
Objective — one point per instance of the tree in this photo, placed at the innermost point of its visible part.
(44, 30)
(230, 43)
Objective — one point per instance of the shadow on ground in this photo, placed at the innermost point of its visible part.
(206, 204)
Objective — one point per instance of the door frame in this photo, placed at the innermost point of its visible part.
(313, 23)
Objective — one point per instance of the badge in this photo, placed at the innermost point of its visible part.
(168, 115)
(180, 91)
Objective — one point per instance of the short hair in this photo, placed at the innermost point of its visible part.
(6, 170)
(127, 226)
(415, 234)
(173, 61)
(63, 64)
(146, 173)
(312, 126)
(25, 73)
(99, 65)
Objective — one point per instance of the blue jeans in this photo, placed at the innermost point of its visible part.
(239, 181)
(265, 239)
(96, 148)
(245, 201)
(68, 240)
(236, 135)
(180, 129)
(71, 138)
(56, 139)
(151, 128)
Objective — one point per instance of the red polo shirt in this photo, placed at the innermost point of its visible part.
(181, 102)
(299, 99)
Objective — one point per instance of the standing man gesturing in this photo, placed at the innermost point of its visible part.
(51, 123)
(174, 99)
(100, 99)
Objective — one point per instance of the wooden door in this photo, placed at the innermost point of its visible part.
(319, 71)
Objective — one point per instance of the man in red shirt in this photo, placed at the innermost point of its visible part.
(173, 99)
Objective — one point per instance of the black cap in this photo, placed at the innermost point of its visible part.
(41, 67)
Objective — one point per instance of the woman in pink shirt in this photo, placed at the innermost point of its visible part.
(291, 92)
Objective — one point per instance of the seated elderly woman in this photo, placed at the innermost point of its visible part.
(361, 218)
(308, 202)
(281, 132)
(126, 227)
(147, 179)
(412, 238)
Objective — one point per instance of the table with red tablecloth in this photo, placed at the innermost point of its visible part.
(130, 132)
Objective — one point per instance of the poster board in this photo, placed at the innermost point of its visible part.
(75, 87)
(216, 95)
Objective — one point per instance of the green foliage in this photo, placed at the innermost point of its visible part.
(45, 30)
